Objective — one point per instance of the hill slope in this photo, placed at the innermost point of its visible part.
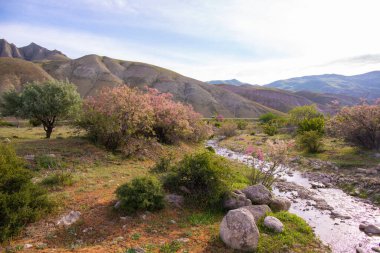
(284, 101)
(365, 85)
(14, 73)
(90, 73)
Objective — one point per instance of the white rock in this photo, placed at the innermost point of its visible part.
(69, 219)
(274, 224)
(238, 230)
(28, 246)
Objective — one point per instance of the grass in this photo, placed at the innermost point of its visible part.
(97, 174)
(297, 236)
(58, 179)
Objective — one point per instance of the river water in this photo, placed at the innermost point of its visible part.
(336, 222)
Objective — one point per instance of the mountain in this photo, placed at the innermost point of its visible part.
(284, 101)
(32, 52)
(14, 73)
(92, 72)
(230, 82)
(360, 86)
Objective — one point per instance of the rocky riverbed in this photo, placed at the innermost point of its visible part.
(334, 215)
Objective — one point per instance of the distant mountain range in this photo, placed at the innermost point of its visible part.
(360, 86)
(230, 98)
(230, 82)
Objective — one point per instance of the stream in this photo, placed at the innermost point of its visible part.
(334, 215)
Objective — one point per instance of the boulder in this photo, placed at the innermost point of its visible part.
(274, 224)
(235, 200)
(258, 194)
(280, 204)
(258, 211)
(69, 219)
(175, 200)
(238, 230)
(369, 228)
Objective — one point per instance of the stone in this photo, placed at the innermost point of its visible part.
(69, 219)
(235, 200)
(7, 140)
(258, 211)
(258, 194)
(174, 199)
(117, 204)
(185, 189)
(280, 204)
(274, 224)
(238, 230)
(316, 185)
(376, 249)
(138, 250)
(359, 250)
(29, 158)
(183, 240)
(28, 246)
(369, 228)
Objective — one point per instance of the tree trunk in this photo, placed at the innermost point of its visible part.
(48, 130)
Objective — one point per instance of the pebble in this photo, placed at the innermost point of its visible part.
(376, 249)
(28, 246)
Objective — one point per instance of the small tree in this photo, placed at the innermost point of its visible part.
(45, 102)
(300, 113)
(359, 125)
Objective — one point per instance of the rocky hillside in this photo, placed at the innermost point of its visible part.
(14, 73)
(365, 85)
(92, 72)
(32, 52)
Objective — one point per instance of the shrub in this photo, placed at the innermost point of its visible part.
(47, 162)
(217, 124)
(314, 124)
(267, 117)
(228, 129)
(311, 141)
(241, 124)
(58, 179)
(270, 129)
(115, 116)
(163, 165)
(35, 122)
(206, 176)
(142, 193)
(21, 201)
(270, 164)
(300, 113)
(359, 125)
(211, 149)
(5, 123)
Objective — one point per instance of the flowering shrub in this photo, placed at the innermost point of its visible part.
(117, 116)
(270, 164)
(359, 125)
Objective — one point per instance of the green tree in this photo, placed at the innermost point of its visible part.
(45, 102)
(301, 113)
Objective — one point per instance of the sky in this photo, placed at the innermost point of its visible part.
(255, 41)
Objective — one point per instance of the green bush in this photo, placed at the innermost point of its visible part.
(58, 179)
(228, 129)
(5, 123)
(206, 176)
(211, 149)
(47, 162)
(217, 124)
(267, 117)
(253, 133)
(142, 193)
(311, 141)
(313, 124)
(270, 129)
(163, 165)
(21, 201)
(35, 122)
(242, 124)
